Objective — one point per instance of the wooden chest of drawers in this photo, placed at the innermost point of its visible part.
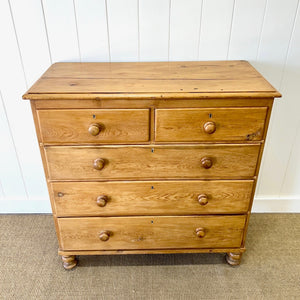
(151, 157)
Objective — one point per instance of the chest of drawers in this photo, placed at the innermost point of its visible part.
(151, 157)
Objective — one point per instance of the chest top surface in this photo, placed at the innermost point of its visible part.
(210, 79)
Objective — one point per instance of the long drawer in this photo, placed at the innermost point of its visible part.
(121, 233)
(94, 126)
(210, 124)
(151, 197)
(143, 162)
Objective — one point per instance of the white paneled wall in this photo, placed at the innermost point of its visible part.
(36, 33)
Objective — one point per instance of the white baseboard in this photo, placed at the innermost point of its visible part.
(24, 206)
(276, 205)
(42, 206)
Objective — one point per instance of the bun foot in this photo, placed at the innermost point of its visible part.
(233, 259)
(69, 261)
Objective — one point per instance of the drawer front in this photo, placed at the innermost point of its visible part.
(94, 126)
(94, 163)
(109, 233)
(151, 197)
(209, 124)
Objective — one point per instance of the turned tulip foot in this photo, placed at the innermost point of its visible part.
(69, 261)
(233, 259)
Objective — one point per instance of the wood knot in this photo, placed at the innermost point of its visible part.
(72, 83)
(251, 136)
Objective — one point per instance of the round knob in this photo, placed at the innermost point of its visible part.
(206, 162)
(99, 163)
(101, 200)
(203, 199)
(200, 232)
(104, 235)
(95, 129)
(209, 127)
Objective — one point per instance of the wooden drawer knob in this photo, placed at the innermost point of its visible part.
(95, 129)
(206, 162)
(104, 235)
(200, 232)
(203, 199)
(99, 163)
(101, 200)
(209, 127)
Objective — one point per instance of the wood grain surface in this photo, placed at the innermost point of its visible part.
(140, 102)
(150, 251)
(188, 125)
(151, 197)
(138, 162)
(116, 125)
(151, 232)
(215, 78)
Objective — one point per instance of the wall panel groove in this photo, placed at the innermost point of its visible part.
(11, 177)
(230, 33)
(289, 45)
(107, 29)
(18, 45)
(76, 26)
(261, 29)
(46, 31)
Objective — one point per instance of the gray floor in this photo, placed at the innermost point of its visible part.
(31, 269)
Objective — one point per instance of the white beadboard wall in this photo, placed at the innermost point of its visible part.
(36, 33)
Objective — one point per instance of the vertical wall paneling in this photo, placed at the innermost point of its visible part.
(19, 115)
(12, 184)
(154, 29)
(215, 29)
(272, 55)
(62, 30)
(92, 30)
(290, 186)
(123, 29)
(35, 33)
(290, 109)
(31, 34)
(185, 23)
(246, 27)
(275, 38)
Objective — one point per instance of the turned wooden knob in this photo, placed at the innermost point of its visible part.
(200, 232)
(203, 199)
(99, 163)
(209, 127)
(206, 162)
(95, 129)
(102, 200)
(104, 235)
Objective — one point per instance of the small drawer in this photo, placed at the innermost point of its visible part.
(94, 126)
(124, 233)
(209, 124)
(122, 198)
(145, 162)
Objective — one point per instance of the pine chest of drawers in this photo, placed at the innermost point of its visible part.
(151, 157)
